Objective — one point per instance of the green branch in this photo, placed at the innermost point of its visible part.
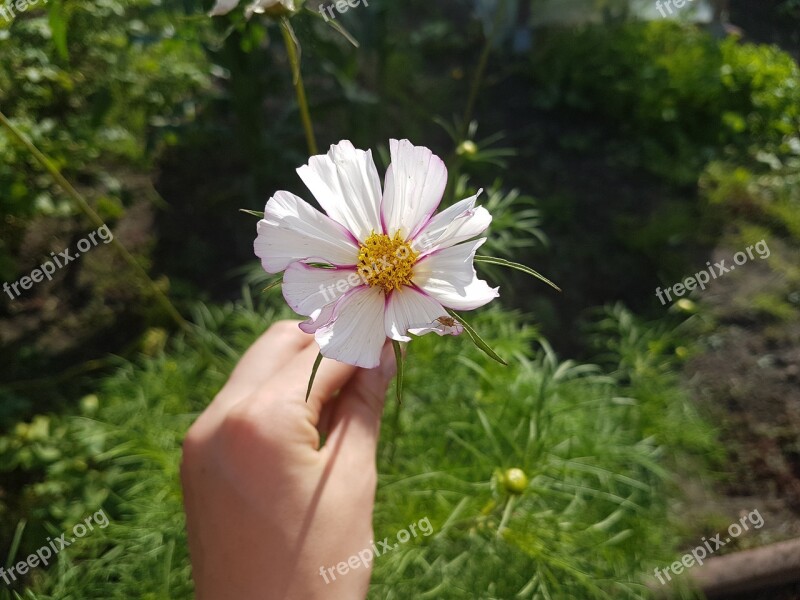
(51, 168)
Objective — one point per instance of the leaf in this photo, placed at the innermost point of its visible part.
(513, 265)
(255, 213)
(58, 28)
(476, 339)
(313, 375)
(291, 38)
(398, 356)
(275, 283)
(335, 25)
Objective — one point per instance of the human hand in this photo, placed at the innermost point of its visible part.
(267, 507)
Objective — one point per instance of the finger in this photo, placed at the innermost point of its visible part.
(270, 353)
(356, 424)
(293, 381)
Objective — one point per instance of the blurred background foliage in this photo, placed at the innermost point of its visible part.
(616, 153)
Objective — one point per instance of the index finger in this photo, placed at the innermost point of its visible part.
(270, 353)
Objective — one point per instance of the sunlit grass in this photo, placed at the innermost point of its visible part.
(590, 522)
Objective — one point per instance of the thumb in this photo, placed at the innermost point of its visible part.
(356, 424)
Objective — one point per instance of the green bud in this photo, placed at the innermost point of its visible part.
(467, 148)
(515, 481)
(686, 305)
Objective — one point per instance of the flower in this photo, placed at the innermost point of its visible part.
(380, 264)
(271, 7)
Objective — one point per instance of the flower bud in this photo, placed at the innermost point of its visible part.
(515, 481)
(467, 148)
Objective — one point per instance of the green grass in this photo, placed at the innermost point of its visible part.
(592, 520)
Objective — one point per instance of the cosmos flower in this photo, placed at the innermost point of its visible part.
(380, 264)
(223, 7)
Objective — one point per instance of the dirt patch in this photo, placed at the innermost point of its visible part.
(747, 379)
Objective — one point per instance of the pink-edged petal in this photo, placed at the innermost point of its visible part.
(449, 276)
(318, 319)
(458, 223)
(347, 186)
(308, 290)
(415, 183)
(292, 230)
(410, 310)
(355, 333)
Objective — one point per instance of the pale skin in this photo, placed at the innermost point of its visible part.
(266, 507)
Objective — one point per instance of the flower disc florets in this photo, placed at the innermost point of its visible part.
(386, 262)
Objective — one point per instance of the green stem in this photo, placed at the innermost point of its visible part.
(506, 515)
(95, 219)
(483, 61)
(299, 88)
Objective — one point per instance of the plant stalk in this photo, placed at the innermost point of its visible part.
(291, 50)
(95, 219)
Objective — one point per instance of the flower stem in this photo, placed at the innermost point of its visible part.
(291, 50)
(483, 61)
(506, 515)
(51, 168)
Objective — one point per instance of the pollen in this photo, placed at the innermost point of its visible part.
(386, 262)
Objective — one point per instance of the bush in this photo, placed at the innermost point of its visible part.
(676, 94)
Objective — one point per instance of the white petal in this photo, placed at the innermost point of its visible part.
(260, 6)
(346, 184)
(407, 310)
(456, 224)
(308, 289)
(439, 328)
(355, 333)
(292, 230)
(415, 183)
(318, 319)
(449, 276)
(223, 7)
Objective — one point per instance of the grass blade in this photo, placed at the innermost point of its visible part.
(492, 260)
(255, 213)
(477, 339)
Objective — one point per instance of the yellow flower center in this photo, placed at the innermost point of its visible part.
(386, 262)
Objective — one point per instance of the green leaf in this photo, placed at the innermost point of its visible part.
(313, 375)
(335, 25)
(58, 28)
(476, 339)
(513, 265)
(319, 265)
(275, 283)
(255, 213)
(291, 37)
(398, 356)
